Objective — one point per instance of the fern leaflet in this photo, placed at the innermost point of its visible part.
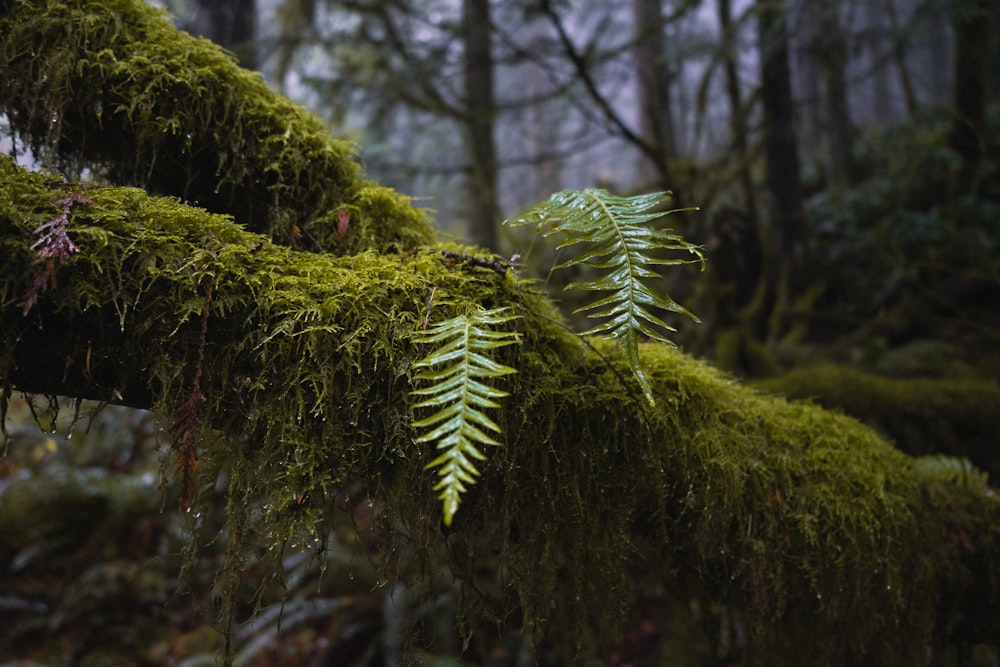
(623, 247)
(956, 470)
(459, 371)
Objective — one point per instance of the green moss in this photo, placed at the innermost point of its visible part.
(796, 516)
(920, 414)
(113, 87)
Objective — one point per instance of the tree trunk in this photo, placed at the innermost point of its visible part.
(830, 50)
(655, 80)
(994, 77)
(808, 80)
(737, 114)
(899, 57)
(880, 107)
(783, 178)
(479, 99)
(230, 24)
(738, 238)
(971, 21)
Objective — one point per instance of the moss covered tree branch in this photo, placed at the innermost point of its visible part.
(797, 517)
(113, 87)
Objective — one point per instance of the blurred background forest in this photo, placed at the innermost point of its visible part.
(844, 159)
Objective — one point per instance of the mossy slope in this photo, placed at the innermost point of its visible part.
(113, 87)
(921, 415)
(836, 548)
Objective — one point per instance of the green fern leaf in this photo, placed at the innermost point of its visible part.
(953, 469)
(623, 247)
(459, 371)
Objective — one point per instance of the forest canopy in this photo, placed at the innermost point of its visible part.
(191, 242)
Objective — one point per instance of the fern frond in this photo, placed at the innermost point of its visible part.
(623, 247)
(953, 469)
(459, 371)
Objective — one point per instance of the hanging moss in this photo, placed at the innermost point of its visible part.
(796, 516)
(112, 87)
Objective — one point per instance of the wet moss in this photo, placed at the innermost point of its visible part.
(113, 88)
(921, 415)
(796, 516)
